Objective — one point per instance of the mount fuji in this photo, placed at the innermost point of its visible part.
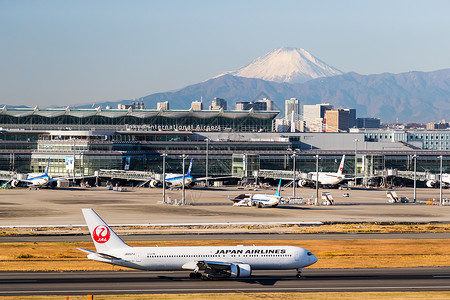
(290, 72)
(286, 64)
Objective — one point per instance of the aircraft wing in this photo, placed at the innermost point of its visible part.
(207, 264)
(212, 178)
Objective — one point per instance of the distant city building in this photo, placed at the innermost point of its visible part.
(440, 125)
(351, 117)
(218, 103)
(197, 105)
(368, 123)
(291, 105)
(282, 125)
(416, 139)
(337, 120)
(162, 105)
(269, 104)
(136, 104)
(260, 106)
(313, 116)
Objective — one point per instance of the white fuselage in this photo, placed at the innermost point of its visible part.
(174, 258)
(39, 181)
(177, 179)
(265, 199)
(327, 178)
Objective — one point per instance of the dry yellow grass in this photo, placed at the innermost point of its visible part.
(252, 296)
(328, 228)
(377, 253)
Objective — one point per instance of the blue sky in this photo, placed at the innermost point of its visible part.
(72, 52)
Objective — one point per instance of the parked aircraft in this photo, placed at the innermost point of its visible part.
(325, 178)
(435, 182)
(206, 262)
(259, 200)
(43, 180)
(175, 179)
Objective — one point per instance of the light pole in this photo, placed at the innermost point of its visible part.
(356, 161)
(293, 174)
(207, 161)
(183, 195)
(440, 181)
(74, 161)
(317, 179)
(415, 160)
(164, 155)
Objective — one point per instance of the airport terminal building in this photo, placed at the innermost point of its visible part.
(237, 143)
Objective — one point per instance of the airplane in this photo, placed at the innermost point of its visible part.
(43, 180)
(325, 178)
(258, 200)
(435, 182)
(204, 262)
(175, 179)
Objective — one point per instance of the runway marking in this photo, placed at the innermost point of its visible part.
(446, 287)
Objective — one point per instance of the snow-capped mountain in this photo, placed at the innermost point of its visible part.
(286, 64)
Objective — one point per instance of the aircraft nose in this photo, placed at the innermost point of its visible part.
(310, 258)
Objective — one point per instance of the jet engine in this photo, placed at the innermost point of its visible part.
(153, 183)
(240, 270)
(15, 183)
(430, 183)
(302, 182)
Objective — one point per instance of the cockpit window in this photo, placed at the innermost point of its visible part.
(309, 253)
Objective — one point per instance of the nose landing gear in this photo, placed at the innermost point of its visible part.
(299, 273)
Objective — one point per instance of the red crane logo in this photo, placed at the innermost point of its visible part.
(101, 234)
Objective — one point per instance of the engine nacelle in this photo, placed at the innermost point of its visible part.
(240, 270)
(302, 182)
(15, 183)
(430, 183)
(153, 183)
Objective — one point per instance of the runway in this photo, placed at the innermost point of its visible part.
(228, 236)
(135, 282)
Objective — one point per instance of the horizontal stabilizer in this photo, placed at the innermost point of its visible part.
(86, 251)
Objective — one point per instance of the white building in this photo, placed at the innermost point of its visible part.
(313, 116)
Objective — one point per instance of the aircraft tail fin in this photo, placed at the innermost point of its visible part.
(341, 166)
(104, 237)
(278, 193)
(190, 167)
(46, 168)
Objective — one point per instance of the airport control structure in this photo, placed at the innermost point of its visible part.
(238, 144)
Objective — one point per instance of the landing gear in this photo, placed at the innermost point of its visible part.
(299, 273)
(206, 277)
(195, 275)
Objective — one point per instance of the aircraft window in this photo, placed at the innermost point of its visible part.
(309, 253)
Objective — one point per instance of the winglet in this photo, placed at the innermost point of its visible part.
(278, 193)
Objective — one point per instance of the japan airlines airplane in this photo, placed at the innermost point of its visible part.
(206, 262)
(325, 178)
(259, 200)
(176, 179)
